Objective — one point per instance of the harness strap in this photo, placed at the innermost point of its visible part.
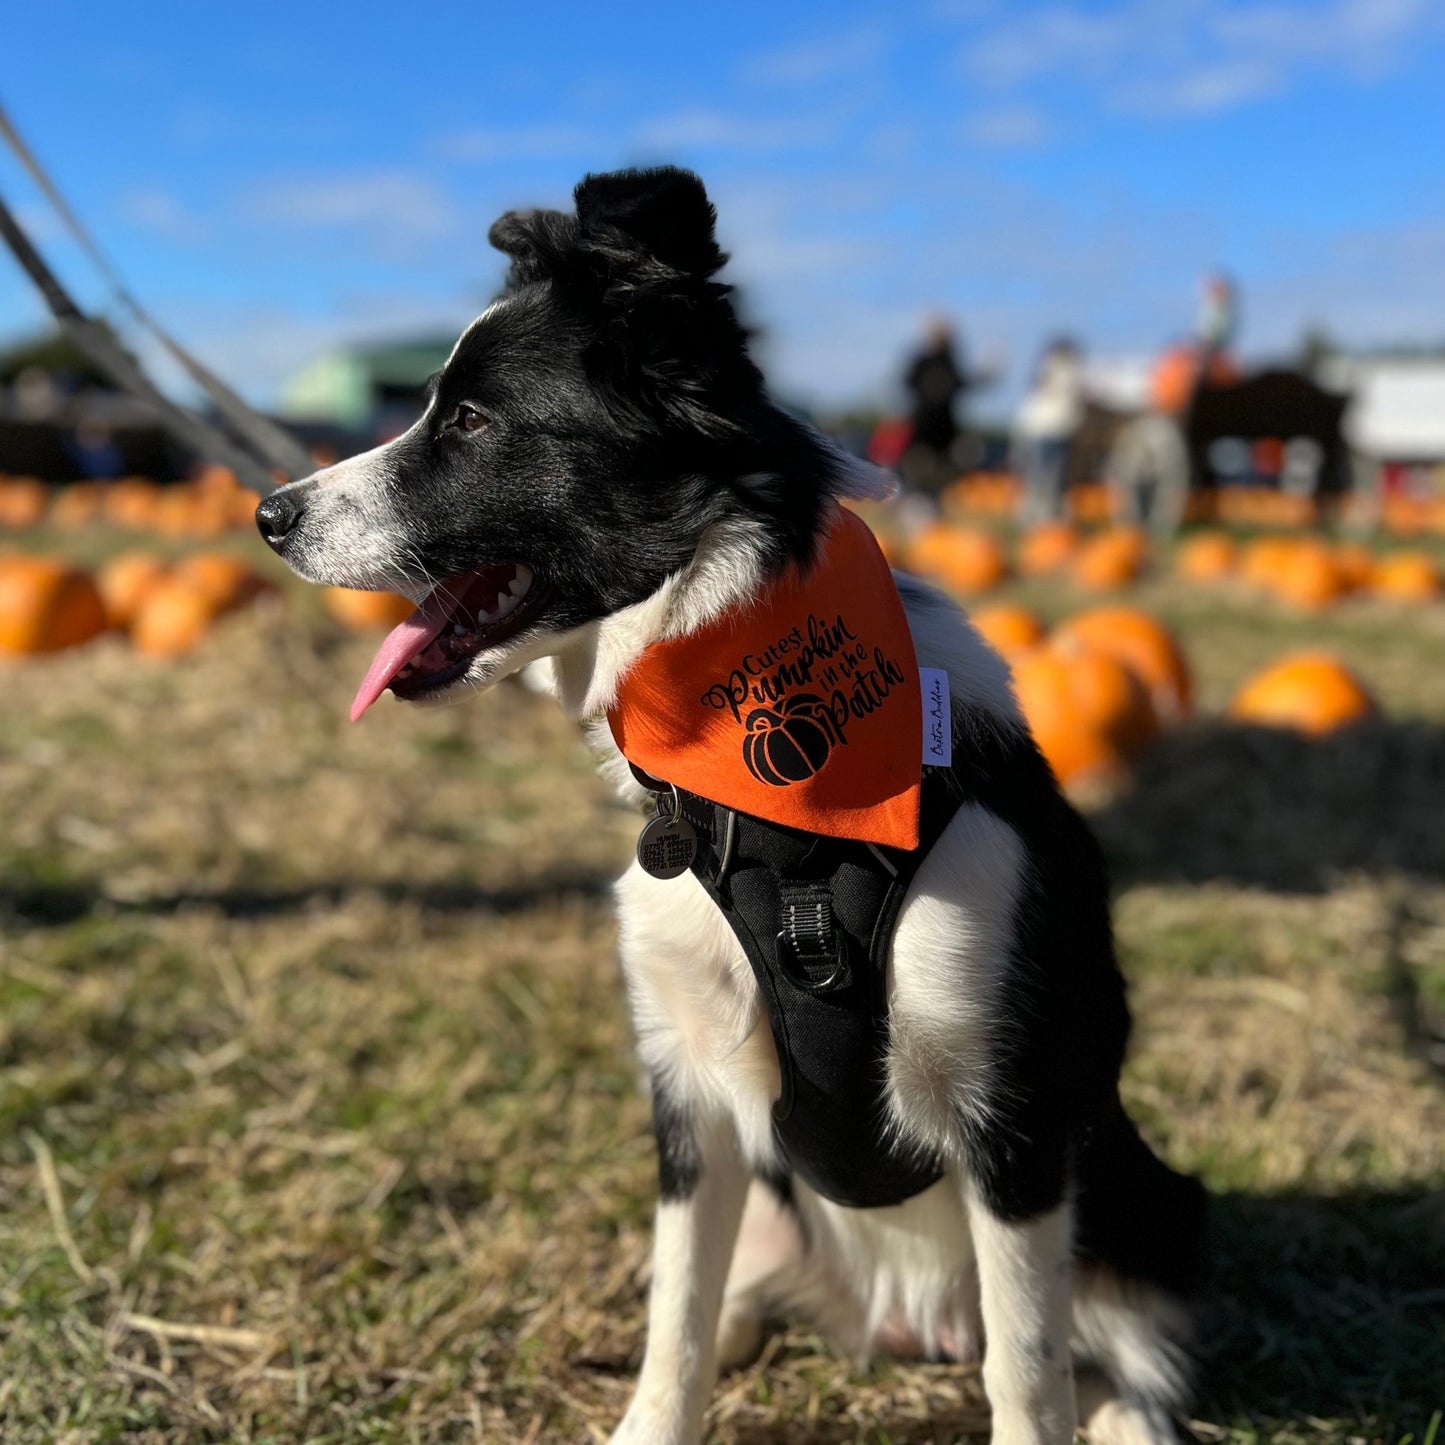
(815, 916)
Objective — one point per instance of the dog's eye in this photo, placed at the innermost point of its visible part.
(468, 418)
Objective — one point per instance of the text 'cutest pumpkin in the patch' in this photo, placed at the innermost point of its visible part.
(803, 708)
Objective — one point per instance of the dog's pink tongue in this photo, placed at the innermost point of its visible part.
(402, 644)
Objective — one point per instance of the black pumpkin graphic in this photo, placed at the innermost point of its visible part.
(787, 745)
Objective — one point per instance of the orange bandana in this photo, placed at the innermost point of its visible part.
(805, 709)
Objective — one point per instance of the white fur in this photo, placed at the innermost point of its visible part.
(725, 571)
(692, 1244)
(947, 968)
(355, 538)
(1025, 1273)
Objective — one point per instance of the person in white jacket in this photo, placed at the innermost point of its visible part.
(1044, 427)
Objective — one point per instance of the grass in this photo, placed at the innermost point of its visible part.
(318, 1119)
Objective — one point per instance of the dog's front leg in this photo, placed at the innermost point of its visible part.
(703, 1185)
(1025, 1273)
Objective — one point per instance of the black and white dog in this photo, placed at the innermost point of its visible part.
(598, 469)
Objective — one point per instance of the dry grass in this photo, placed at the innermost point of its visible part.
(317, 1114)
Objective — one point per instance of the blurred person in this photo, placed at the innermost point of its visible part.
(1217, 319)
(1044, 429)
(96, 454)
(935, 380)
(1206, 357)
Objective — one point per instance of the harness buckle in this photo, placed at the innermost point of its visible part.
(790, 965)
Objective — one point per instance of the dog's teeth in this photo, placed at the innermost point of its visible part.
(523, 580)
(460, 628)
(505, 603)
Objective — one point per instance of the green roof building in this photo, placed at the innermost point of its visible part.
(352, 387)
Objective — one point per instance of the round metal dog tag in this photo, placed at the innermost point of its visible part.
(666, 847)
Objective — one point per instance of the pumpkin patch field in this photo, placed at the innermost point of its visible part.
(318, 1114)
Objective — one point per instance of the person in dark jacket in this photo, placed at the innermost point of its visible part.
(934, 381)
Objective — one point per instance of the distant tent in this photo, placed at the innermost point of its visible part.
(55, 354)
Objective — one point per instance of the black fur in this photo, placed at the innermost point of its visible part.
(679, 1159)
(624, 414)
(1054, 1120)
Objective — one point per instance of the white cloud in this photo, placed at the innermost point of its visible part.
(164, 214)
(1045, 41)
(822, 59)
(394, 203)
(535, 142)
(1204, 91)
(1199, 57)
(703, 128)
(1359, 35)
(1007, 128)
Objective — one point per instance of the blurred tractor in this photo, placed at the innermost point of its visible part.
(1159, 459)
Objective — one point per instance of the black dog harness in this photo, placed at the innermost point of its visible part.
(815, 916)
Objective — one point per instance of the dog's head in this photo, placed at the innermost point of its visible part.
(588, 430)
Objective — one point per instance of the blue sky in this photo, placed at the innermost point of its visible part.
(274, 178)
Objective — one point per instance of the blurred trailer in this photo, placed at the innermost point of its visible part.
(1398, 416)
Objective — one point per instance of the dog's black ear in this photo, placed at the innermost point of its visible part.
(536, 240)
(514, 233)
(663, 213)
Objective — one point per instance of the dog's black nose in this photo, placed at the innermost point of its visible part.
(278, 515)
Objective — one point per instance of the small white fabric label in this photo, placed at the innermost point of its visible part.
(937, 718)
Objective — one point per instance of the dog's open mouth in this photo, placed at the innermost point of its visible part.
(463, 615)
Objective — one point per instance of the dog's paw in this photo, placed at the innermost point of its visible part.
(650, 1423)
(740, 1337)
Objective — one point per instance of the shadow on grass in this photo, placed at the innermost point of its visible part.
(43, 903)
(1324, 1322)
(1273, 809)
(1328, 1310)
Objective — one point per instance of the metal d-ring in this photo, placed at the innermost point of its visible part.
(791, 967)
(676, 812)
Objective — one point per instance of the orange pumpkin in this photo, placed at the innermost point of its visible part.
(1067, 685)
(1080, 755)
(175, 512)
(1308, 578)
(1112, 559)
(242, 506)
(124, 582)
(22, 503)
(366, 611)
(46, 605)
(1406, 577)
(215, 480)
(1089, 502)
(132, 502)
(1404, 515)
(1206, 557)
(174, 618)
(891, 548)
(77, 505)
(1144, 645)
(1264, 558)
(1008, 628)
(1310, 692)
(1356, 565)
(984, 493)
(1046, 548)
(961, 558)
(225, 581)
(1087, 712)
